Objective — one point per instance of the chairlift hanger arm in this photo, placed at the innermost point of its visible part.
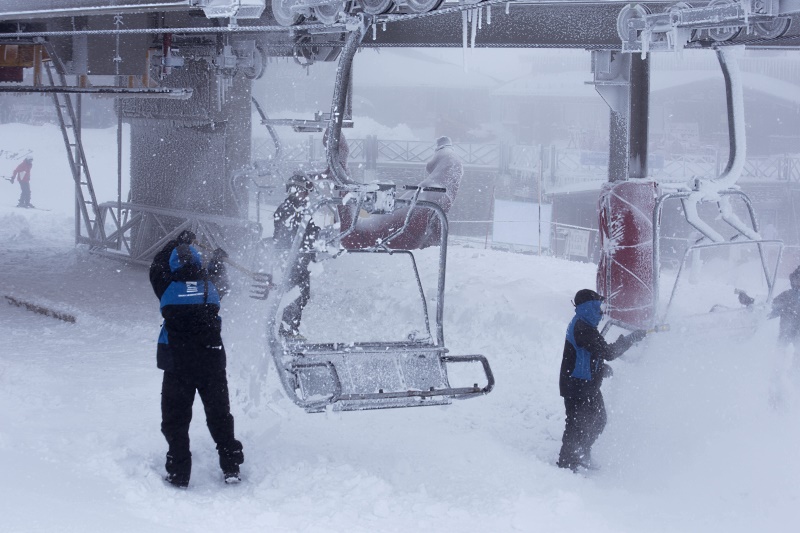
(339, 104)
(271, 130)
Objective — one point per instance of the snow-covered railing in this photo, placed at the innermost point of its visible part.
(688, 165)
(561, 167)
(764, 167)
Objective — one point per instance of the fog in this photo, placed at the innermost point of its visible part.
(539, 105)
(702, 432)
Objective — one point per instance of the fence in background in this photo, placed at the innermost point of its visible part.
(529, 173)
(556, 167)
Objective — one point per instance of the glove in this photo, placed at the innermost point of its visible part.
(637, 335)
(607, 371)
(186, 237)
(219, 254)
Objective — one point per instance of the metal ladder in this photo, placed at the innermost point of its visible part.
(87, 210)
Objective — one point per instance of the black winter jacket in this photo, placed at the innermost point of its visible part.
(786, 305)
(287, 218)
(190, 341)
(587, 337)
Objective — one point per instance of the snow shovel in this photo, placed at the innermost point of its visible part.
(262, 283)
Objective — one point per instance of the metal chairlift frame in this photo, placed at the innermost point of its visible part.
(736, 136)
(296, 360)
(770, 275)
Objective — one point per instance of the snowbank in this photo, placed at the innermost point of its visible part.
(697, 438)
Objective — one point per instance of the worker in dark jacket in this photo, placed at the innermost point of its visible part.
(288, 217)
(191, 354)
(583, 368)
(786, 305)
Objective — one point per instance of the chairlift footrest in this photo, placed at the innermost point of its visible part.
(376, 379)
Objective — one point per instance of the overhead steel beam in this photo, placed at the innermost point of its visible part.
(565, 24)
(122, 92)
(552, 25)
(33, 9)
(524, 26)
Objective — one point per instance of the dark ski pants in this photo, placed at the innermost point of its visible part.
(293, 312)
(585, 421)
(25, 194)
(177, 397)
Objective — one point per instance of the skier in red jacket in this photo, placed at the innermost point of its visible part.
(23, 175)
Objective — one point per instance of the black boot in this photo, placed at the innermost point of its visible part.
(179, 469)
(177, 480)
(232, 478)
(568, 457)
(585, 461)
(230, 457)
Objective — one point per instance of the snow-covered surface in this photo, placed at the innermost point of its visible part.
(694, 442)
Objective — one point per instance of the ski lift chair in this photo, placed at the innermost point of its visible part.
(348, 376)
(650, 314)
(746, 237)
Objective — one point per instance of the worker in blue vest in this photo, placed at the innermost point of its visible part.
(583, 368)
(191, 354)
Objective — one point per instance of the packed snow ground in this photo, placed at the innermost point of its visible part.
(696, 439)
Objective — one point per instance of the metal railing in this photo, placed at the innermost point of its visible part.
(144, 230)
(558, 166)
